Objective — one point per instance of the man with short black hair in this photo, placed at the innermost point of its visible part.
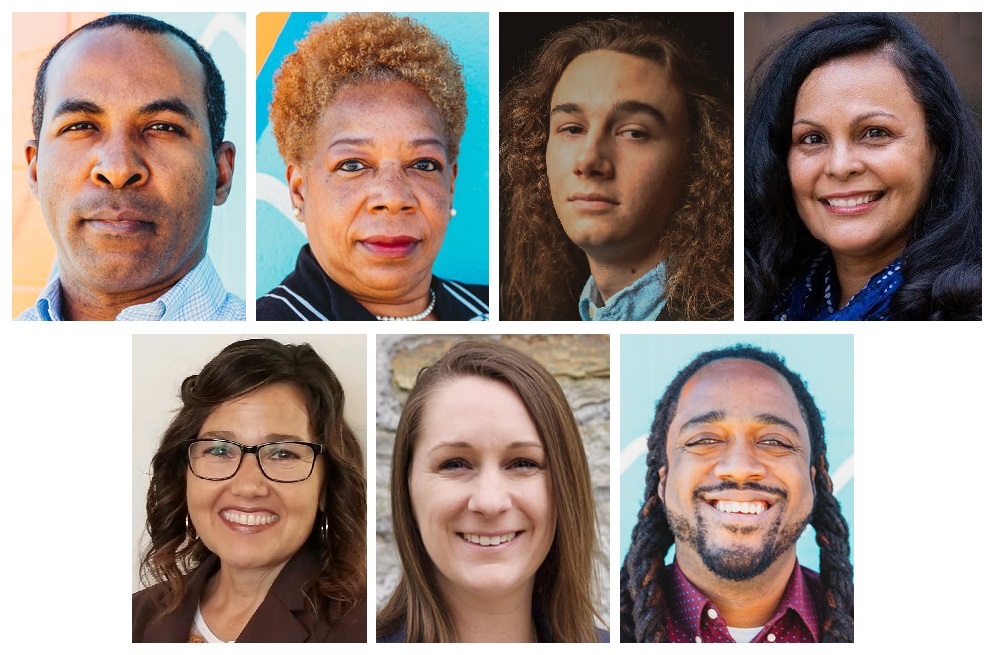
(127, 160)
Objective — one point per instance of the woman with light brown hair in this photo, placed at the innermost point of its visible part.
(492, 506)
(617, 166)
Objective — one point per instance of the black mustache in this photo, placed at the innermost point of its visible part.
(734, 486)
(115, 201)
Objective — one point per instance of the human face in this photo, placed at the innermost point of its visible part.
(123, 166)
(616, 153)
(286, 511)
(738, 484)
(860, 161)
(481, 490)
(376, 190)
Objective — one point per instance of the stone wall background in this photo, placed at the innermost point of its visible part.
(580, 363)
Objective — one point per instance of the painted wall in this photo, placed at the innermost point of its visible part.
(279, 236)
(648, 363)
(33, 252)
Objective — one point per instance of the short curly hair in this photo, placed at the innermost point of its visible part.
(361, 48)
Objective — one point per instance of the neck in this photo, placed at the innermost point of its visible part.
(493, 620)
(410, 304)
(81, 302)
(612, 276)
(855, 272)
(232, 596)
(746, 603)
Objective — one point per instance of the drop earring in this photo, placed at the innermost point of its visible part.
(453, 212)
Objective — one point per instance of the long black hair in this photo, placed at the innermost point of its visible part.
(941, 267)
(642, 601)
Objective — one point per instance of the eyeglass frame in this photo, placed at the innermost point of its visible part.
(317, 448)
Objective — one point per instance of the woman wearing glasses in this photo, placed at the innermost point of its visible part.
(256, 507)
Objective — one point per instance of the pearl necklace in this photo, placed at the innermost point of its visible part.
(414, 317)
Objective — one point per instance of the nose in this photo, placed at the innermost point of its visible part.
(739, 462)
(843, 160)
(249, 481)
(594, 157)
(119, 162)
(490, 494)
(390, 193)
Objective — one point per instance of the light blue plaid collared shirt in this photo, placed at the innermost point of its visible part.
(198, 296)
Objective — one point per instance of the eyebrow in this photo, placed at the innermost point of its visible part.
(273, 436)
(80, 106)
(464, 444)
(717, 415)
(857, 119)
(621, 107)
(365, 142)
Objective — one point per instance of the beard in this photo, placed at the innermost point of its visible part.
(735, 563)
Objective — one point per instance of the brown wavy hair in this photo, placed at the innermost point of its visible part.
(360, 48)
(542, 270)
(244, 366)
(565, 582)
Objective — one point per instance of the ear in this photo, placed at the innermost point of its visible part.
(813, 479)
(453, 179)
(31, 154)
(662, 476)
(224, 166)
(298, 188)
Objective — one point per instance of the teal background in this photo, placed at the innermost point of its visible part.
(648, 363)
(464, 256)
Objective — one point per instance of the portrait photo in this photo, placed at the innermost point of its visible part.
(736, 481)
(372, 166)
(863, 170)
(249, 488)
(129, 183)
(616, 167)
(493, 484)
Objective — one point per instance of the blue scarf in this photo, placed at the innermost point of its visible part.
(814, 295)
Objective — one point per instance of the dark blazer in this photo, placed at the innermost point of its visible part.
(284, 616)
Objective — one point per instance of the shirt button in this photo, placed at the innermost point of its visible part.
(699, 639)
(770, 638)
(712, 613)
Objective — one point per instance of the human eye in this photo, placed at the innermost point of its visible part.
(876, 133)
(427, 165)
(215, 450)
(453, 464)
(351, 166)
(168, 128)
(78, 126)
(635, 133)
(776, 442)
(811, 139)
(702, 440)
(570, 129)
(525, 465)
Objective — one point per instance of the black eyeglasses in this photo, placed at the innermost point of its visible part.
(280, 461)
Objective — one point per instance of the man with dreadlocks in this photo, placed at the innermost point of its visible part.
(736, 469)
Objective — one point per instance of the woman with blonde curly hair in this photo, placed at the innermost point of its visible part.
(368, 115)
(617, 166)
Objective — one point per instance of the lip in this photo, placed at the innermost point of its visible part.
(391, 246)
(592, 202)
(119, 223)
(248, 520)
(851, 203)
(510, 537)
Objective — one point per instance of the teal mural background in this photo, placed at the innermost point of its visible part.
(464, 256)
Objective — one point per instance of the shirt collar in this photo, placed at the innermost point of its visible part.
(641, 301)
(697, 618)
(199, 295)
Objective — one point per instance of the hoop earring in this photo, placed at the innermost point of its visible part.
(189, 528)
(323, 529)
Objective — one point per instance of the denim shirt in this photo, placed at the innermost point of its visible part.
(641, 301)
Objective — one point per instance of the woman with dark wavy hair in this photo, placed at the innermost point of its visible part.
(863, 197)
(616, 166)
(255, 510)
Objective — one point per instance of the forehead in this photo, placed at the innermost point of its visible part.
(740, 388)
(601, 78)
(382, 109)
(863, 80)
(121, 68)
(277, 408)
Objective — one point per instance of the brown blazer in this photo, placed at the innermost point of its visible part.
(283, 617)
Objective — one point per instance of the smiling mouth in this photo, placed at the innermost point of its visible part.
(853, 201)
(249, 518)
(740, 507)
(486, 540)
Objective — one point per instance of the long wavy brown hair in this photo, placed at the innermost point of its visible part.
(542, 271)
(564, 584)
(174, 549)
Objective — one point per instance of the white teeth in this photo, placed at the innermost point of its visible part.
(485, 540)
(243, 518)
(735, 507)
(852, 201)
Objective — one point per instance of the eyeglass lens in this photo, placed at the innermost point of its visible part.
(284, 462)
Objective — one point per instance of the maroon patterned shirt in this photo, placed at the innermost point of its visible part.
(692, 617)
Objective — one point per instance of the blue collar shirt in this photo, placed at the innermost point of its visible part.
(198, 296)
(641, 301)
